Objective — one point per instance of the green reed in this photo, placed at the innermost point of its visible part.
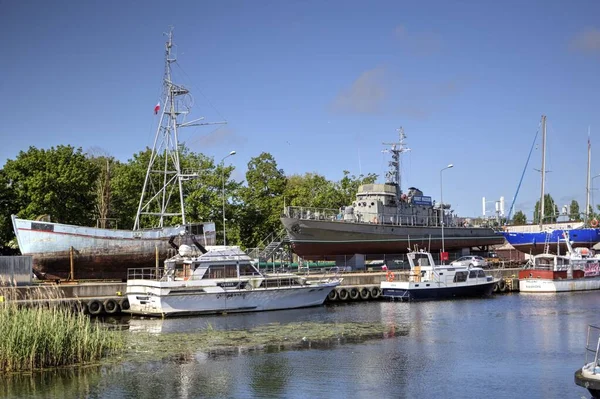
(49, 335)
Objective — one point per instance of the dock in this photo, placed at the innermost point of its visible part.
(109, 297)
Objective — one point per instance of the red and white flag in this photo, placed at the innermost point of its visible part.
(157, 108)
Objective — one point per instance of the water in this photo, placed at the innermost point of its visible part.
(510, 346)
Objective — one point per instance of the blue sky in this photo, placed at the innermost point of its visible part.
(320, 85)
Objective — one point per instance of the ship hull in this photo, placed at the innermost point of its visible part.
(535, 242)
(314, 238)
(97, 253)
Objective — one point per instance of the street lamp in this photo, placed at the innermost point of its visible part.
(587, 211)
(442, 204)
(223, 179)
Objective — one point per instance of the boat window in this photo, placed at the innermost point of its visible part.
(473, 274)
(480, 273)
(460, 277)
(226, 271)
(247, 270)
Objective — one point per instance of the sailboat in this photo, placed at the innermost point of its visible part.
(62, 251)
(549, 237)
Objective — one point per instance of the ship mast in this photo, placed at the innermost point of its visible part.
(393, 175)
(587, 186)
(543, 170)
(163, 176)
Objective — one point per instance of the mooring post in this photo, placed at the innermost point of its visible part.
(71, 256)
(156, 256)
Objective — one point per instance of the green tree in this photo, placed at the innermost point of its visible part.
(7, 208)
(348, 186)
(59, 182)
(126, 183)
(574, 214)
(519, 218)
(311, 190)
(262, 198)
(550, 210)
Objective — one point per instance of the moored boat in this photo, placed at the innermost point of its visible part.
(383, 220)
(588, 376)
(577, 270)
(219, 280)
(429, 281)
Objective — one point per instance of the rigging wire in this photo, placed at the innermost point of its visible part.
(522, 175)
(196, 88)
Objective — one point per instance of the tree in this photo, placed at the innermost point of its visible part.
(519, 218)
(59, 182)
(262, 198)
(126, 183)
(348, 186)
(7, 208)
(550, 210)
(574, 214)
(311, 190)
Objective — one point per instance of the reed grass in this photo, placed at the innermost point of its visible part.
(49, 334)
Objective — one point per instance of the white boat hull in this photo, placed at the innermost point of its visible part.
(159, 300)
(546, 285)
(97, 253)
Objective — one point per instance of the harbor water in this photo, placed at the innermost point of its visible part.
(507, 346)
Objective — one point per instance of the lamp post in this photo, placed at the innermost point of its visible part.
(592, 190)
(442, 204)
(223, 179)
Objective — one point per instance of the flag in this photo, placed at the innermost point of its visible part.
(156, 108)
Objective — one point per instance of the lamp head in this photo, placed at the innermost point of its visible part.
(232, 153)
(450, 166)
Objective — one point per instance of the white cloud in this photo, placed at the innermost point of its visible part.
(366, 95)
(587, 41)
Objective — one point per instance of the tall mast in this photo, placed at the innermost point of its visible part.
(587, 187)
(163, 176)
(543, 169)
(393, 175)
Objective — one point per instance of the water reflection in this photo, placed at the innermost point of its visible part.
(76, 382)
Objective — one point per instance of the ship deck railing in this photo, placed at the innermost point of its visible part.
(335, 215)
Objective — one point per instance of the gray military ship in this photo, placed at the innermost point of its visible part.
(383, 220)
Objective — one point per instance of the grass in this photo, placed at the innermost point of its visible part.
(49, 335)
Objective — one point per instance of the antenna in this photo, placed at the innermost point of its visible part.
(393, 175)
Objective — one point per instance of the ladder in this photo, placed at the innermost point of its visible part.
(547, 243)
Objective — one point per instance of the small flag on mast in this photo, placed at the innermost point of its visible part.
(156, 108)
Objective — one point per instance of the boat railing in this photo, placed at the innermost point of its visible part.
(592, 346)
(336, 215)
(310, 213)
(146, 273)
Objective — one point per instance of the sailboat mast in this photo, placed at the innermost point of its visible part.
(587, 186)
(543, 170)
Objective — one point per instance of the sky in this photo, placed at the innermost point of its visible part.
(320, 86)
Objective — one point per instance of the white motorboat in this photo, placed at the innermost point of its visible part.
(429, 281)
(219, 279)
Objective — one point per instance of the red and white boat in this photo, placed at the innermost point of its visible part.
(577, 270)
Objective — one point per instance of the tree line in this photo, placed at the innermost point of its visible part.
(552, 213)
(66, 185)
